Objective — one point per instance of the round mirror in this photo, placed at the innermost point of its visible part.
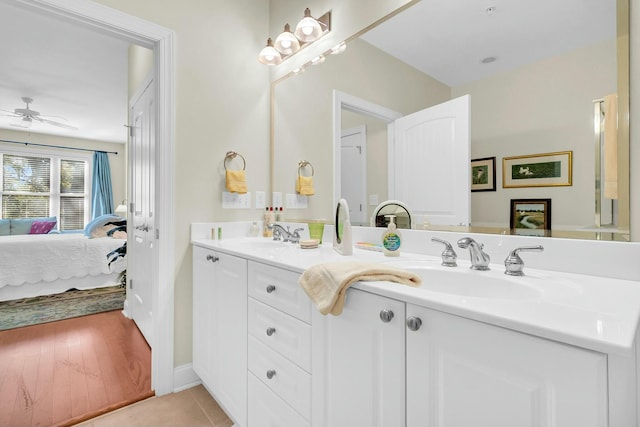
(392, 208)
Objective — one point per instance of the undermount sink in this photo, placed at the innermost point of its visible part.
(466, 282)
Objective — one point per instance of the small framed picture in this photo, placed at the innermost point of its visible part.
(483, 174)
(537, 170)
(530, 216)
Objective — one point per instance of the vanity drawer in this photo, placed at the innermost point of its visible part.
(281, 332)
(280, 289)
(284, 378)
(266, 409)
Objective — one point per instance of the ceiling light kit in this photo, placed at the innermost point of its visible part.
(308, 30)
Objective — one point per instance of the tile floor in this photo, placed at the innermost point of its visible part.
(193, 407)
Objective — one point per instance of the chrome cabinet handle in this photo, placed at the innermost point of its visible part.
(271, 331)
(212, 258)
(271, 373)
(270, 289)
(414, 323)
(386, 315)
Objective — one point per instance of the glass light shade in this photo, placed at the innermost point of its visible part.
(26, 122)
(269, 55)
(308, 29)
(286, 42)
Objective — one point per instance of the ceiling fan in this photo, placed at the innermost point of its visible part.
(28, 116)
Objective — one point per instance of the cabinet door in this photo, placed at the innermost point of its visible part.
(220, 328)
(229, 307)
(464, 373)
(358, 364)
(203, 340)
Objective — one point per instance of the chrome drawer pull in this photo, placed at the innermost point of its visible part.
(212, 258)
(271, 331)
(270, 289)
(386, 315)
(271, 373)
(414, 323)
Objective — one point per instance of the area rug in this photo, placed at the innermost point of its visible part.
(49, 308)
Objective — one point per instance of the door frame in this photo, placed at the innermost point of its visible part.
(162, 41)
(343, 100)
(359, 130)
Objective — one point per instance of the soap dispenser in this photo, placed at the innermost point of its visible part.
(391, 238)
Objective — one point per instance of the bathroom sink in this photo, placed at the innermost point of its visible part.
(463, 281)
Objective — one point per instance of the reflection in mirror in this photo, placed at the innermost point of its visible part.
(534, 108)
(342, 241)
(395, 208)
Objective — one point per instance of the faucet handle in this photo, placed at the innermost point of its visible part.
(449, 256)
(514, 264)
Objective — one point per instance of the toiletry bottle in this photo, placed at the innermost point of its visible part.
(266, 232)
(391, 238)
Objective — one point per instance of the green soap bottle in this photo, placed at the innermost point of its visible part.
(391, 238)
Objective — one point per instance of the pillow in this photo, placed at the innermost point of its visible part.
(95, 228)
(23, 225)
(41, 227)
(5, 227)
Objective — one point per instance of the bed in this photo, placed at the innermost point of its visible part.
(43, 264)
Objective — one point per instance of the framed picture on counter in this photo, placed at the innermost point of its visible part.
(530, 216)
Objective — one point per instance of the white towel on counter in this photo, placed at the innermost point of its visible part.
(327, 284)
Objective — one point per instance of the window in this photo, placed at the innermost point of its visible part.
(41, 185)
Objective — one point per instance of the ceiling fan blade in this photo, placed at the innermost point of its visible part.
(10, 113)
(49, 122)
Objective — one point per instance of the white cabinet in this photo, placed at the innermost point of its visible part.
(220, 328)
(462, 373)
(458, 372)
(279, 361)
(359, 365)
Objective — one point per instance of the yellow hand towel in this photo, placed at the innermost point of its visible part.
(327, 284)
(304, 185)
(236, 181)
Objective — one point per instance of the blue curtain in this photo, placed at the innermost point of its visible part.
(102, 191)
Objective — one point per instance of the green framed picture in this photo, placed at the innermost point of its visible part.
(483, 174)
(537, 170)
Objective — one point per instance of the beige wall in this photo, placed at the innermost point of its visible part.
(540, 108)
(117, 162)
(303, 109)
(634, 121)
(221, 104)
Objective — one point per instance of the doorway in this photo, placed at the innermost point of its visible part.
(161, 41)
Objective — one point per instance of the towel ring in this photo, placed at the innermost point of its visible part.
(304, 164)
(232, 155)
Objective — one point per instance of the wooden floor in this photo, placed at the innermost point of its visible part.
(63, 372)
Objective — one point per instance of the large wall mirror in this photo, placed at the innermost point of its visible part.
(545, 105)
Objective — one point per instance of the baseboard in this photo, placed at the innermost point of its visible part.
(184, 377)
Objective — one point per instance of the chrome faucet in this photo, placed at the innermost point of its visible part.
(479, 258)
(513, 263)
(287, 236)
(449, 256)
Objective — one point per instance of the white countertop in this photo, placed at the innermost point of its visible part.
(592, 312)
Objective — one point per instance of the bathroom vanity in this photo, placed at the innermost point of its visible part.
(552, 348)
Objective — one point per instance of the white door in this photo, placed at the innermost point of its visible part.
(429, 163)
(141, 248)
(463, 373)
(353, 173)
(358, 363)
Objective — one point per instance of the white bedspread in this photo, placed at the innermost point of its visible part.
(48, 257)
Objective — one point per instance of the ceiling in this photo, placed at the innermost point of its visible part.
(448, 39)
(78, 76)
(74, 74)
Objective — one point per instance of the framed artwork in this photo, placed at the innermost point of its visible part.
(483, 174)
(530, 216)
(537, 170)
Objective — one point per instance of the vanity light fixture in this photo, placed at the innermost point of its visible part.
(317, 60)
(339, 48)
(308, 30)
(286, 42)
(269, 55)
